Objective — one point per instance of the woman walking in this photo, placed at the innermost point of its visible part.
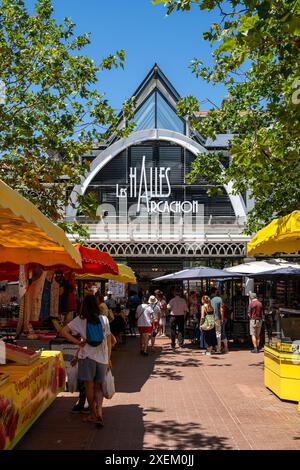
(144, 316)
(94, 354)
(209, 335)
(163, 312)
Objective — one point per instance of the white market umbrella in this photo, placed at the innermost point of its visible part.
(258, 267)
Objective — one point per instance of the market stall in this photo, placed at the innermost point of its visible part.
(204, 273)
(26, 394)
(29, 379)
(282, 354)
(282, 357)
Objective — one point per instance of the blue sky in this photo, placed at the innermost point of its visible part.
(147, 36)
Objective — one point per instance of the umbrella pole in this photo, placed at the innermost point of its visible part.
(20, 325)
(188, 295)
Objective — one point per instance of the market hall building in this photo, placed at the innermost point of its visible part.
(149, 216)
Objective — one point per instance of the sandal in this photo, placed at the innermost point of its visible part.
(99, 422)
(90, 419)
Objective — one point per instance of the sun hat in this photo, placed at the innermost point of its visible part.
(109, 292)
(152, 299)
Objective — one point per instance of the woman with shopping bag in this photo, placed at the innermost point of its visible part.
(94, 355)
(207, 325)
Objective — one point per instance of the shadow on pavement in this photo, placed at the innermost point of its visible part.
(167, 373)
(178, 436)
(131, 370)
(123, 430)
(58, 429)
(218, 365)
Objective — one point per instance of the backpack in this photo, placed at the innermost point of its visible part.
(94, 333)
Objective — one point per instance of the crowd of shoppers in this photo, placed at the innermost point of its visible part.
(152, 313)
(102, 320)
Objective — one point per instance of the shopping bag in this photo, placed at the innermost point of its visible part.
(108, 386)
(207, 323)
(72, 376)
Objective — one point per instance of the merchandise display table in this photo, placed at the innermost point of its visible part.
(282, 373)
(28, 392)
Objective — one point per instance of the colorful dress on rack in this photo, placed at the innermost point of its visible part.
(33, 300)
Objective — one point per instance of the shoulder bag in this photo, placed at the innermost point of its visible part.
(208, 322)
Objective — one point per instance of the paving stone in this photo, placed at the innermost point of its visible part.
(180, 400)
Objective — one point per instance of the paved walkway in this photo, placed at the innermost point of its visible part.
(176, 400)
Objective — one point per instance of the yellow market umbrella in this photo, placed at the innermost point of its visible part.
(126, 275)
(280, 236)
(27, 236)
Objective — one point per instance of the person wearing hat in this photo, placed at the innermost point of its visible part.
(153, 302)
(255, 313)
(144, 317)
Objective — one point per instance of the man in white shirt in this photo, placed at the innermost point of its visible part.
(144, 317)
(178, 310)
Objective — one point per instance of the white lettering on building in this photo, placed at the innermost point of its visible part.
(145, 190)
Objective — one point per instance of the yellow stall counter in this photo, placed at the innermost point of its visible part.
(282, 373)
(27, 394)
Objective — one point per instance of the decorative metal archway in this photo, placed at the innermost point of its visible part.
(172, 249)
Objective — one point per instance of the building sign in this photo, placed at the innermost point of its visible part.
(154, 186)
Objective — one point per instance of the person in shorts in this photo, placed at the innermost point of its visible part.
(217, 305)
(93, 361)
(255, 313)
(144, 317)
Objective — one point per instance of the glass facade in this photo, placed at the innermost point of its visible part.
(155, 112)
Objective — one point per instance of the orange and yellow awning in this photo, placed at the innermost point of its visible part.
(126, 275)
(27, 236)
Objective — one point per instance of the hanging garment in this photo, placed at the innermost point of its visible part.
(33, 298)
(64, 296)
(46, 297)
(54, 298)
(72, 302)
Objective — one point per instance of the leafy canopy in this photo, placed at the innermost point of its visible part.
(53, 111)
(256, 51)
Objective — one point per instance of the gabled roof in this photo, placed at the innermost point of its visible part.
(156, 73)
(156, 81)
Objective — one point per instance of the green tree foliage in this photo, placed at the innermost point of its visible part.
(53, 111)
(256, 51)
